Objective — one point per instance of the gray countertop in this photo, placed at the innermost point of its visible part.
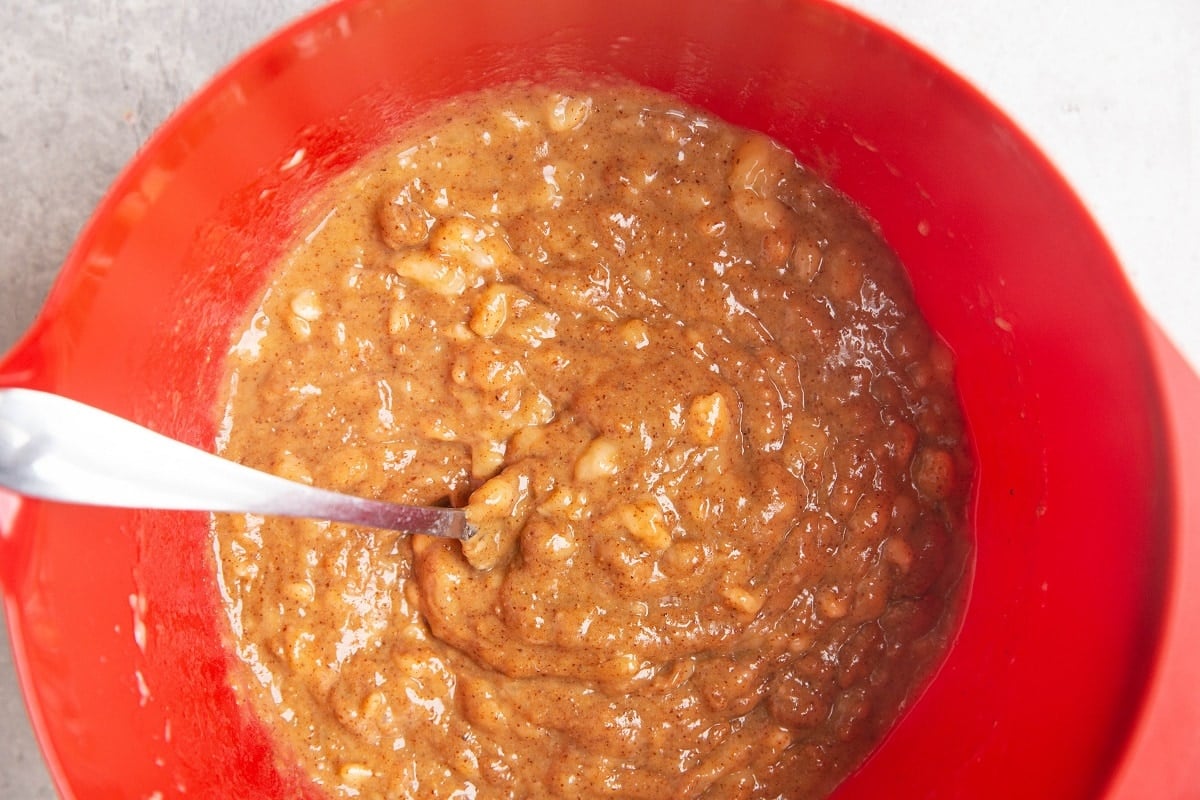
(1112, 95)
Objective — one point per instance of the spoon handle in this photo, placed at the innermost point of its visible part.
(58, 449)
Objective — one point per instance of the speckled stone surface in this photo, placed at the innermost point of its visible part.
(1110, 90)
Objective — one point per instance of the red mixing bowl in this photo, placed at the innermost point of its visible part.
(1071, 677)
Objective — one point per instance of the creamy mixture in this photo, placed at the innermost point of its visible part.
(713, 452)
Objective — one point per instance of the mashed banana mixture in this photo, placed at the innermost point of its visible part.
(713, 452)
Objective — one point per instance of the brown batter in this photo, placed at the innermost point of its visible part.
(713, 451)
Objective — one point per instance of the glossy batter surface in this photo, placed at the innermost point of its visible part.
(713, 451)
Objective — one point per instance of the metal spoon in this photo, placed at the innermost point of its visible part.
(63, 450)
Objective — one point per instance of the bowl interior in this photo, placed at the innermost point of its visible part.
(114, 615)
